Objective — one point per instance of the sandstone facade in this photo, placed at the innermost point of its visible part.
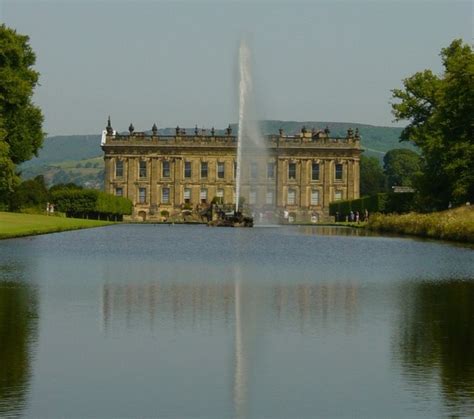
(299, 174)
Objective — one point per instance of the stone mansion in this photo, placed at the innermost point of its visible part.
(299, 174)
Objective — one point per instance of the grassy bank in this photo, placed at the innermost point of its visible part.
(18, 225)
(456, 224)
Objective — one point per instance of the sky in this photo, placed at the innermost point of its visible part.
(175, 62)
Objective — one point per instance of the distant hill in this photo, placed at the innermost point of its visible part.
(78, 158)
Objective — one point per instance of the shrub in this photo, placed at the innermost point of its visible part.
(382, 202)
(90, 203)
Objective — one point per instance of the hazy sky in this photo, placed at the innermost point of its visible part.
(175, 62)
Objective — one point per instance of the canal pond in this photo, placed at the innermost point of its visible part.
(279, 322)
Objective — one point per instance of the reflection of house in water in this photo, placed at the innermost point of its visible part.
(239, 306)
(299, 306)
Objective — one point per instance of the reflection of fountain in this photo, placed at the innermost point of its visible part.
(240, 373)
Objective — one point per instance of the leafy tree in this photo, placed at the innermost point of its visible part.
(8, 177)
(401, 166)
(440, 111)
(372, 177)
(30, 193)
(21, 133)
(64, 186)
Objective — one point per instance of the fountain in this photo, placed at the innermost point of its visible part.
(250, 142)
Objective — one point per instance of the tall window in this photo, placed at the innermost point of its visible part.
(166, 168)
(235, 169)
(338, 174)
(253, 197)
(203, 196)
(142, 169)
(220, 169)
(337, 195)
(165, 196)
(292, 171)
(187, 169)
(204, 169)
(141, 195)
(269, 198)
(253, 170)
(291, 197)
(118, 168)
(270, 170)
(187, 195)
(118, 191)
(314, 197)
(315, 171)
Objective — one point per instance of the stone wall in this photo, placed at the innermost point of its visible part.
(166, 174)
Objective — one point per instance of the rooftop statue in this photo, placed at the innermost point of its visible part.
(154, 129)
(109, 128)
(131, 128)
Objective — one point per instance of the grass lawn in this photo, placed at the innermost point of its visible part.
(17, 225)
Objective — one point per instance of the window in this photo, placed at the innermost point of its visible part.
(314, 197)
(165, 196)
(291, 197)
(118, 191)
(141, 195)
(166, 168)
(253, 170)
(270, 170)
(220, 169)
(220, 193)
(187, 195)
(118, 168)
(252, 197)
(187, 169)
(337, 195)
(292, 171)
(203, 195)
(204, 168)
(142, 169)
(315, 171)
(269, 198)
(338, 171)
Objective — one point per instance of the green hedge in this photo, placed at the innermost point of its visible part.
(381, 202)
(88, 203)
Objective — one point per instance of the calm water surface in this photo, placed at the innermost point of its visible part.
(183, 321)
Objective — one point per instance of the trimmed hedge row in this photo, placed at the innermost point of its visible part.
(89, 203)
(381, 202)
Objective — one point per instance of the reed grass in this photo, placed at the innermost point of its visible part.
(456, 224)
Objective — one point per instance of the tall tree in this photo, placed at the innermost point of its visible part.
(401, 167)
(440, 111)
(372, 178)
(21, 133)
